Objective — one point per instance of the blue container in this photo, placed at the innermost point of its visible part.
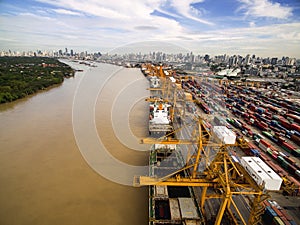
(274, 123)
(260, 110)
(270, 211)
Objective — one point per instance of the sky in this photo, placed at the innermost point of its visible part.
(267, 28)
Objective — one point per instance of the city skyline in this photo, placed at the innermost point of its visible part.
(66, 52)
(262, 27)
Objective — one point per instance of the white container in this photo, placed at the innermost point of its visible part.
(261, 173)
(188, 209)
(225, 135)
(161, 191)
(174, 209)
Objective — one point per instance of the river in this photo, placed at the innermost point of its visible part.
(45, 177)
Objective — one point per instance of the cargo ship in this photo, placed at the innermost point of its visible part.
(167, 204)
(170, 204)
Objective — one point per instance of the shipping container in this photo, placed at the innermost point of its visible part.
(270, 136)
(290, 160)
(294, 117)
(174, 209)
(277, 221)
(188, 209)
(290, 148)
(286, 215)
(264, 157)
(257, 136)
(295, 139)
(262, 125)
(264, 142)
(224, 134)
(260, 110)
(285, 123)
(295, 127)
(261, 172)
(266, 203)
(291, 169)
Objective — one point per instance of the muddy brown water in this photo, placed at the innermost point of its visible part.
(43, 176)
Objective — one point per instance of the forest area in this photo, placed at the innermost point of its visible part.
(23, 76)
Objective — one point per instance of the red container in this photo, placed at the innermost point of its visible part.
(294, 117)
(295, 127)
(285, 214)
(265, 143)
(273, 148)
(295, 139)
(285, 123)
(262, 125)
(278, 168)
(281, 139)
(290, 160)
(252, 146)
(253, 108)
(275, 167)
(264, 157)
(267, 203)
(288, 146)
(279, 213)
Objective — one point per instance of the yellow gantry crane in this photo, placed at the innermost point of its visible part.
(226, 178)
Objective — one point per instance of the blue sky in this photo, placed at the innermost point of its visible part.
(261, 27)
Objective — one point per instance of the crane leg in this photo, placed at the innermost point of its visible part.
(221, 211)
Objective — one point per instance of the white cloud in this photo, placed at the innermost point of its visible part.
(96, 31)
(252, 24)
(118, 20)
(115, 9)
(280, 40)
(89, 7)
(168, 13)
(116, 23)
(185, 9)
(66, 12)
(265, 8)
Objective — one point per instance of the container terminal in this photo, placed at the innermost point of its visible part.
(223, 151)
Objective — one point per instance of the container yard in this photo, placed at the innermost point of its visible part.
(220, 150)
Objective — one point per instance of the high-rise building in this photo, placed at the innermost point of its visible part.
(247, 59)
(291, 61)
(206, 57)
(274, 61)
